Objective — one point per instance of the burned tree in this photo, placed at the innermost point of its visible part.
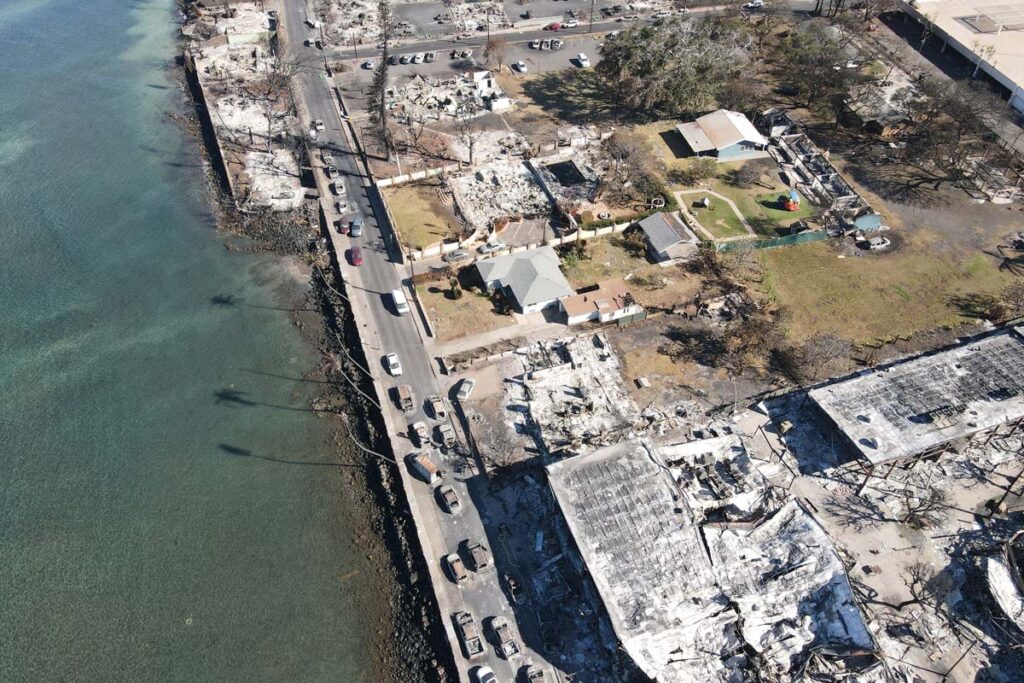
(468, 130)
(377, 102)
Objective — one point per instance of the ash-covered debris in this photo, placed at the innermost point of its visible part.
(498, 190)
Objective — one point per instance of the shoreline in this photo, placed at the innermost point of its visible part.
(397, 614)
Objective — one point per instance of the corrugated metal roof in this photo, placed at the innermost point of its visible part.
(718, 130)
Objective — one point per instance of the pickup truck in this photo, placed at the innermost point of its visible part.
(469, 634)
(404, 398)
(507, 645)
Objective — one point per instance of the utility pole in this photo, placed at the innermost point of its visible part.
(591, 16)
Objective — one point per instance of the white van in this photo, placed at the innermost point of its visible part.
(401, 303)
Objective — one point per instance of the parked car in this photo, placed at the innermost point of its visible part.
(341, 206)
(557, 43)
(423, 467)
(393, 364)
(456, 569)
(437, 407)
(572, 23)
(355, 255)
(583, 60)
(355, 226)
(480, 555)
(469, 634)
(393, 60)
(342, 226)
(337, 188)
(429, 57)
(553, 26)
(484, 674)
(491, 246)
(520, 66)
(534, 45)
(419, 429)
(455, 256)
(465, 389)
(404, 398)
(369, 64)
(449, 499)
(545, 44)
(753, 4)
(506, 642)
(327, 157)
(531, 673)
(331, 170)
(405, 59)
(446, 435)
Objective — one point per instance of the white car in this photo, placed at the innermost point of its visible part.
(418, 58)
(484, 674)
(572, 23)
(318, 124)
(753, 4)
(465, 389)
(583, 60)
(520, 66)
(491, 247)
(369, 64)
(394, 365)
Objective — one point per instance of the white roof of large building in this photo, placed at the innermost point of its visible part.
(718, 130)
(915, 405)
(980, 26)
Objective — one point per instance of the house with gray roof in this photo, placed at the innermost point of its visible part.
(531, 279)
(725, 135)
(668, 238)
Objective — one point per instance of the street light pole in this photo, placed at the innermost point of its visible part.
(591, 16)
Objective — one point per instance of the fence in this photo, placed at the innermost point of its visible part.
(417, 175)
(771, 243)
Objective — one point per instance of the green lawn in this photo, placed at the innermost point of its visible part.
(720, 220)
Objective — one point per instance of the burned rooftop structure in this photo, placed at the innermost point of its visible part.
(698, 600)
(925, 405)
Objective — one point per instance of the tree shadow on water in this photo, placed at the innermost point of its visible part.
(233, 397)
(228, 449)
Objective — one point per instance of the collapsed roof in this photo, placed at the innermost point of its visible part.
(917, 405)
(756, 595)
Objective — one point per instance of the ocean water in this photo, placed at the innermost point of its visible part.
(168, 508)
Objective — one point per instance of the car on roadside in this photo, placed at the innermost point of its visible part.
(327, 157)
(446, 435)
(628, 17)
(553, 26)
(393, 365)
(429, 57)
(469, 635)
(753, 5)
(557, 43)
(437, 407)
(355, 226)
(331, 170)
(449, 499)
(342, 226)
(572, 23)
(369, 63)
(583, 60)
(337, 188)
(455, 256)
(520, 66)
(506, 642)
(318, 124)
(419, 429)
(480, 556)
(418, 58)
(534, 45)
(355, 255)
(484, 674)
(393, 60)
(405, 59)
(545, 44)
(531, 673)
(341, 206)
(455, 568)
(491, 246)
(465, 389)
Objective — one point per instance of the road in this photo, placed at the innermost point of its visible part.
(383, 331)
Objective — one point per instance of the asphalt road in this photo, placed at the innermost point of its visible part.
(383, 332)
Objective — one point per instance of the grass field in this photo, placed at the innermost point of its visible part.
(720, 220)
(420, 217)
(876, 295)
(455, 318)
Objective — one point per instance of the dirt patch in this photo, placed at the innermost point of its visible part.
(421, 218)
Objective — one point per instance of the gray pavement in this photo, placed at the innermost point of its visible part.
(382, 331)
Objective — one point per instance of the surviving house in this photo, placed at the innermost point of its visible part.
(725, 135)
(606, 301)
(668, 237)
(532, 280)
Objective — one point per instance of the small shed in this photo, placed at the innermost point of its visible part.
(668, 238)
(725, 135)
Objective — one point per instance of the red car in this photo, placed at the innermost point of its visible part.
(553, 27)
(355, 254)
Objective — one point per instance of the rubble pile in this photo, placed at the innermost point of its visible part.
(355, 22)
(245, 86)
(499, 189)
(572, 177)
(491, 145)
(464, 96)
(571, 395)
(475, 16)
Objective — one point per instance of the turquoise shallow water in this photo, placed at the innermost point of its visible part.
(138, 541)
